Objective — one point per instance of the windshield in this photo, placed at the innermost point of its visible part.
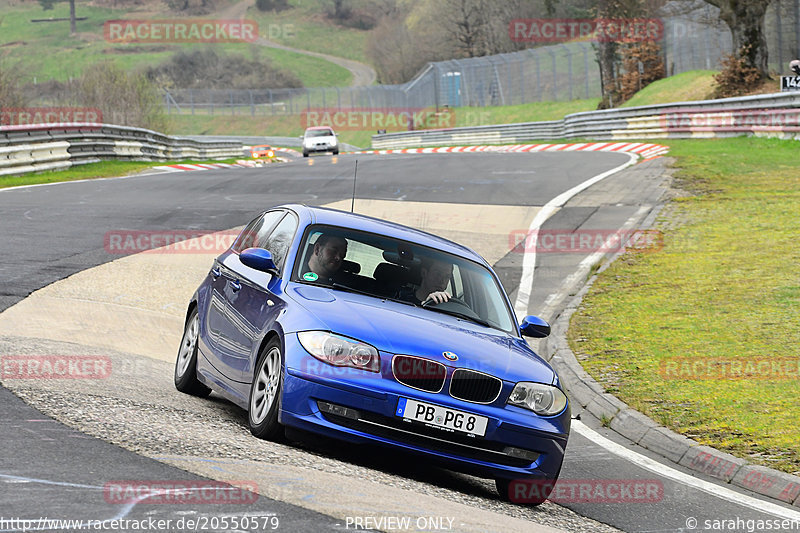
(319, 133)
(387, 268)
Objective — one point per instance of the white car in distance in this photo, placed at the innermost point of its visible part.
(320, 139)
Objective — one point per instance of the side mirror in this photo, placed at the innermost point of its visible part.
(259, 259)
(533, 326)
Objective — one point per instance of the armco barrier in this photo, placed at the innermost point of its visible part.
(772, 115)
(39, 147)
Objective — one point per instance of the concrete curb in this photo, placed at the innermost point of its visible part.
(583, 390)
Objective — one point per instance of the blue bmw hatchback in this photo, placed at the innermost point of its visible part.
(372, 332)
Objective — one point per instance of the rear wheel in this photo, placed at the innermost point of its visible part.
(265, 394)
(186, 365)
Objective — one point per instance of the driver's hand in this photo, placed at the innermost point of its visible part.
(438, 297)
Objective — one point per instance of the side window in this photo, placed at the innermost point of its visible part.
(258, 228)
(278, 242)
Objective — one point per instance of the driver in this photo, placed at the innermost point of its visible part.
(326, 259)
(436, 275)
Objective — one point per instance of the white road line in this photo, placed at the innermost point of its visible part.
(529, 256)
(584, 267)
(713, 489)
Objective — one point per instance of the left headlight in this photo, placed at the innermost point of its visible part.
(544, 400)
(340, 351)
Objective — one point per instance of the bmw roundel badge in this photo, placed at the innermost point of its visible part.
(450, 356)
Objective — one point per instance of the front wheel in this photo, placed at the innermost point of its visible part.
(524, 491)
(305, 154)
(265, 394)
(186, 365)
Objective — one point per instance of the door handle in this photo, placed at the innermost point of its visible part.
(235, 285)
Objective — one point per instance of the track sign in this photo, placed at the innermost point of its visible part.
(790, 83)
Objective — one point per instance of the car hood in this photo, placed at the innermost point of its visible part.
(398, 328)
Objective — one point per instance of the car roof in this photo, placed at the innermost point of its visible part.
(335, 217)
(319, 128)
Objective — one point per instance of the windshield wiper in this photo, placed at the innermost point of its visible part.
(464, 316)
(348, 288)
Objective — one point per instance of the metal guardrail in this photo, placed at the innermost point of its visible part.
(40, 147)
(773, 114)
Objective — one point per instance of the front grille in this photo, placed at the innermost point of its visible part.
(431, 438)
(476, 387)
(419, 373)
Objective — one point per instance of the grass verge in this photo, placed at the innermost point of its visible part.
(702, 336)
(104, 169)
(292, 125)
(685, 87)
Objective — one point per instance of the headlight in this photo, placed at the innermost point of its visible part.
(340, 351)
(544, 400)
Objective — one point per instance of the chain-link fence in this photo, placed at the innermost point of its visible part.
(694, 38)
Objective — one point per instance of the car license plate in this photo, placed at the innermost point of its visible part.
(442, 417)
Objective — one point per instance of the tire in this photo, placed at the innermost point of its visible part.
(265, 394)
(336, 152)
(534, 495)
(305, 154)
(185, 376)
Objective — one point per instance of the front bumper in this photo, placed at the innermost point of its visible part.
(359, 407)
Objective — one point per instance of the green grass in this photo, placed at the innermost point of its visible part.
(725, 286)
(292, 125)
(684, 87)
(48, 52)
(307, 27)
(104, 169)
(532, 112)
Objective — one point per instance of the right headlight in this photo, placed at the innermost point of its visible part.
(544, 400)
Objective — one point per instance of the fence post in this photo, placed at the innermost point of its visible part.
(569, 68)
(252, 105)
(555, 73)
(586, 67)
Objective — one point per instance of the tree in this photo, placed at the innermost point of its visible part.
(745, 18)
(48, 4)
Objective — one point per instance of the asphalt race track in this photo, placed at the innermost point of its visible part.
(51, 470)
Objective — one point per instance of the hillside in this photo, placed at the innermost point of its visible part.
(48, 52)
